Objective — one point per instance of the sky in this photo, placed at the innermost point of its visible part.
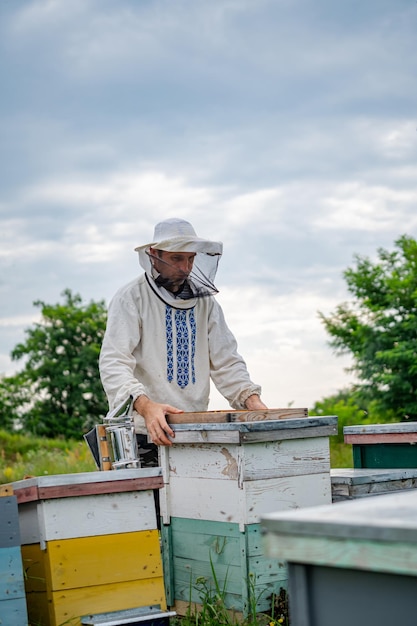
(284, 128)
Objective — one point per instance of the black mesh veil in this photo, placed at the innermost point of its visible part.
(194, 282)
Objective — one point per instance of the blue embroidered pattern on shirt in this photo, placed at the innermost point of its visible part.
(193, 335)
(183, 371)
(170, 346)
(183, 329)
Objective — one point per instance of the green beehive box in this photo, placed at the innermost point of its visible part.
(382, 446)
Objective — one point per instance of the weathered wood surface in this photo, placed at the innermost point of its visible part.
(90, 561)
(391, 427)
(9, 522)
(13, 611)
(348, 484)
(220, 417)
(87, 483)
(6, 490)
(271, 459)
(11, 574)
(68, 606)
(392, 557)
(223, 501)
(397, 432)
(67, 518)
(367, 438)
(247, 432)
(389, 518)
(376, 534)
(197, 546)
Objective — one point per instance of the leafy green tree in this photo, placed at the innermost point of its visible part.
(351, 409)
(60, 392)
(379, 328)
(12, 396)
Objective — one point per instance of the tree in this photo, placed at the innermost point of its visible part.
(379, 328)
(60, 392)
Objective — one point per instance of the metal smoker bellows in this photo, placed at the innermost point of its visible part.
(113, 444)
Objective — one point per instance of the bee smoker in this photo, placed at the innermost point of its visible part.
(113, 444)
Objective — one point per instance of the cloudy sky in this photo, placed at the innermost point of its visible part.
(284, 128)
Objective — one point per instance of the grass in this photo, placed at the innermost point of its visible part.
(214, 612)
(23, 456)
(340, 455)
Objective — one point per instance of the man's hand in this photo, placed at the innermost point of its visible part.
(254, 403)
(155, 420)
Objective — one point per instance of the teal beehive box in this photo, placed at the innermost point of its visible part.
(12, 589)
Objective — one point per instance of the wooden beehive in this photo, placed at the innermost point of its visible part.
(349, 484)
(352, 562)
(220, 476)
(90, 544)
(383, 446)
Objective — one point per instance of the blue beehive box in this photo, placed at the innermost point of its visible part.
(12, 589)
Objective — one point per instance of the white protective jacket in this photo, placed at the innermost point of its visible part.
(168, 349)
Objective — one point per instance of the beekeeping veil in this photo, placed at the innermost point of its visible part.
(178, 235)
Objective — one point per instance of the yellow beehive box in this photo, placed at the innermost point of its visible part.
(90, 544)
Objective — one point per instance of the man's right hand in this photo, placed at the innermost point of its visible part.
(154, 415)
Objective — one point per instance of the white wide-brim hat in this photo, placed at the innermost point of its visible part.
(178, 235)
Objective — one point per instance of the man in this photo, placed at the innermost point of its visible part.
(166, 336)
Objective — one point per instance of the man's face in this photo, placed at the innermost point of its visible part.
(173, 266)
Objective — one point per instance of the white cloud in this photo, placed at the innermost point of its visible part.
(284, 128)
(355, 206)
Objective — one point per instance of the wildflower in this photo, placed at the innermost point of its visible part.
(8, 473)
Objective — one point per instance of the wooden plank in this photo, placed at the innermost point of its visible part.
(291, 457)
(378, 556)
(215, 500)
(220, 417)
(392, 518)
(257, 461)
(87, 483)
(11, 574)
(207, 434)
(222, 547)
(102, 560)
(68, 606)
(188, 571)
(78, 489)
(13, 611)
(9, 522)
(6, 490)
(67, 491)
(107, 514)
(198, 547)
(313, 431)
(358, 483)
(368, 438)
(287, 493)
(390, 427)
(223, 501)
(362, 476)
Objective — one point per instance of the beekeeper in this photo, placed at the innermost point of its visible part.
(166, 335)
